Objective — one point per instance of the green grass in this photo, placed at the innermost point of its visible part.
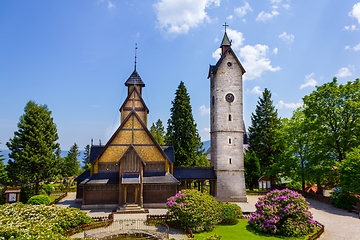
(241, 231)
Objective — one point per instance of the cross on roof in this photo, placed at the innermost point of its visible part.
(225, 25)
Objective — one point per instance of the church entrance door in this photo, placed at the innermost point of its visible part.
(130, 198)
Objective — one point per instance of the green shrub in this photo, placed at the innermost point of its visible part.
(343, 199)
(21, 221)
(195, 210)
(230, 213)
(284, 213)
(47, 188)
(26, 193)
(39, 199)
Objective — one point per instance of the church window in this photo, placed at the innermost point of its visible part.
(229, 117)
(213, 100)
(229, 64)
(229, 140)
(229, 160)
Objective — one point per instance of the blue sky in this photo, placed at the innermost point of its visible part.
(75, 56)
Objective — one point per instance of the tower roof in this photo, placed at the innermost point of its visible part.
(225, 41)
(134, 79)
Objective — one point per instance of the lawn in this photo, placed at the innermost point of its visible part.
(240, 231)
(52, 198)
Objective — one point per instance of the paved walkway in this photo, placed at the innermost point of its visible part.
(339, 224)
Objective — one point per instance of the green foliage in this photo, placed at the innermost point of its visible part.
(350, 172)
(70, 165)
(47, 188)
(21, 221)
(230, 213)
(252, 169)
(213, 237)
(283, 213)
(158, 132)
(86, 158)
(33, 147)
(3, 174)
(264, 131)
(39, 199)
(343, 199)
(193, 209)
(182, 133)
(333, 111)
(26, 193)
(2, 195)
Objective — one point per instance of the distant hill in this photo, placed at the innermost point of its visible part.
(63, 154)
(206, 145)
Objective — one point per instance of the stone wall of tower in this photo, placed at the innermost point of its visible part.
(226, 121)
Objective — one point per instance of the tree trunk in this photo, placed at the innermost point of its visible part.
(319, 187)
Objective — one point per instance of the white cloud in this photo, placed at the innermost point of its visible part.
(256, 90)
(276, 1)
(178, 16)
(204, 111)
(264, 17)
(286, 6)
(275, 51)
(230, 17)
(355, 12)
(355, 48)
(111, 5)
(241, 11)
(255, 61)
(282, 104)
(350, 28)
(309, 81)
(345, 72)
(287, 38)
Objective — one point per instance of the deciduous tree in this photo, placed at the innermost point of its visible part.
(158, 132)
(349, 172)
(33, 147)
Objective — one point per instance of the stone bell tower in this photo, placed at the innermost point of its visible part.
(226, 125)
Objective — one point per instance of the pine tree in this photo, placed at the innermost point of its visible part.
(86, 158)
(158, 132)
(71, 165)
(33, 147)
(252, 169)
(182, 133)
(3, 173)
(264, 131)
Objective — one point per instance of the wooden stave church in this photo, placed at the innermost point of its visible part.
(131, 168)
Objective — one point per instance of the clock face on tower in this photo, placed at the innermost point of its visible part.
(229, 97)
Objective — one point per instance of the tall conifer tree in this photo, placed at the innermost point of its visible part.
(86, 158)
(182, 133)
(33, 146)
(264, 131)
(71, 165)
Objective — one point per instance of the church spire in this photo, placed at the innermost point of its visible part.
(225, 43)
(135, 56)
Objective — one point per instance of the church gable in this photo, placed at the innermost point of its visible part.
(134, 102)
(133, 132)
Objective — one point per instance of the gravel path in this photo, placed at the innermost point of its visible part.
(339, 224)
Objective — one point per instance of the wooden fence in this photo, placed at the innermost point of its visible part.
(58, 199)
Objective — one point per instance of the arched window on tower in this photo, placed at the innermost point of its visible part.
(229, 160)
(213, 100)
(229, 117)
(229, 140)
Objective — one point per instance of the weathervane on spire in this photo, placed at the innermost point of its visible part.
(225, 25)
(135, 54)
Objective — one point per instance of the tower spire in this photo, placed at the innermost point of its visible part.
(135, 55)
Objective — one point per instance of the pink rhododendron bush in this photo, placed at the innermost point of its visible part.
(283, 213)
(195, 210)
